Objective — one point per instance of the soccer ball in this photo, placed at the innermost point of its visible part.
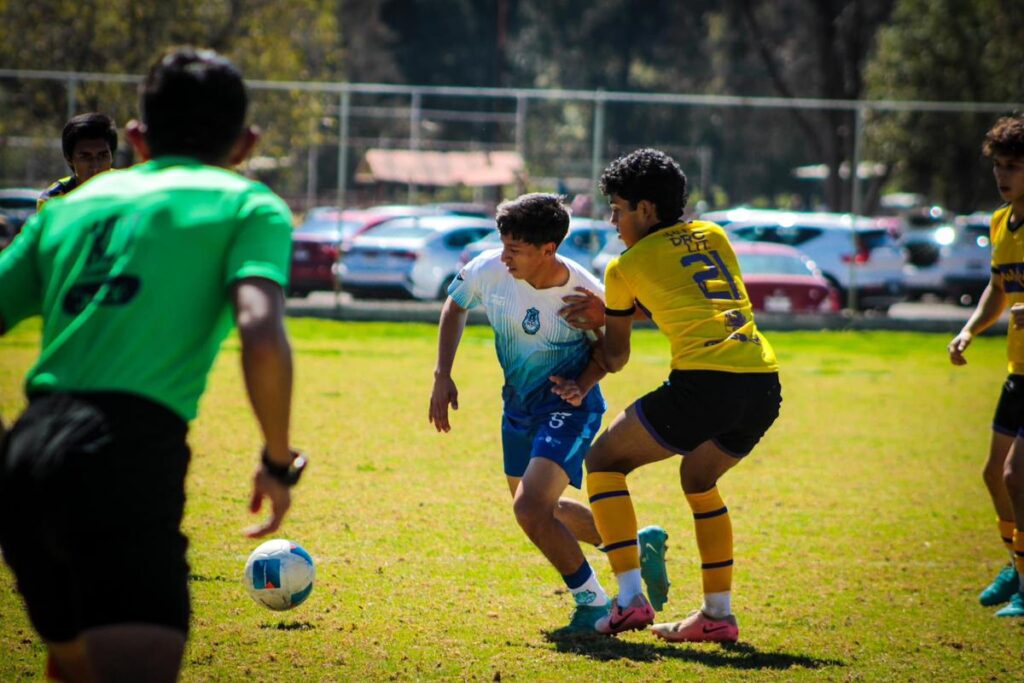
(279, 574)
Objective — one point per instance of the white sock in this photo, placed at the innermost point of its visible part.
(629, 586)
(717, 605)
(590, 593)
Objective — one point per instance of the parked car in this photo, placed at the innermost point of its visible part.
(317, 242)
(612, 248)
(408, 257)
(16, 205)
(781, 279)
(925, 270)
(846, 249)
(584, 241)
(968, 259)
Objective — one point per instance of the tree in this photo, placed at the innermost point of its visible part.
(945, 50)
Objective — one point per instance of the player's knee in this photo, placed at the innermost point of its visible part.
(603, 459)
(531, 514)
(1013, 477)
(696, 480)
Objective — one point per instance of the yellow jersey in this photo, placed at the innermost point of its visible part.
(1008, 265)
(686, 278)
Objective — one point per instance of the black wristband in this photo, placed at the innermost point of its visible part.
(286, 474)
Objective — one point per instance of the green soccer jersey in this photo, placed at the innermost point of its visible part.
(132, 275)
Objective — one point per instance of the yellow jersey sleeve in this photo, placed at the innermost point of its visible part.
(617, 295)
(688, 279)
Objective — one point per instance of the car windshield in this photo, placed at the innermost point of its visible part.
(402, 232)
(329, 226)
(772, 264)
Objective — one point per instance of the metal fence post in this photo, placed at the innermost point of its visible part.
(855, 202)
(344, 108)
(415, 121)
(72, 88)
(596, 160)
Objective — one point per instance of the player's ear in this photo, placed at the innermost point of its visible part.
(244, 145)
(135, 131)
(647, 210)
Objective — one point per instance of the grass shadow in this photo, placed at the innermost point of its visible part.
(742, 656)
(289, 626)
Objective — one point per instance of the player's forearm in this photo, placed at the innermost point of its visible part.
(450, 329)
(990, 307)
(591, 375)
(267, 366)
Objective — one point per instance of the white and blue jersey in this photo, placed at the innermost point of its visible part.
(532, 340)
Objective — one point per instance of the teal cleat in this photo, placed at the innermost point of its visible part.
(652, 564)
(583, 621)
(1002, 588)
(1015, 608)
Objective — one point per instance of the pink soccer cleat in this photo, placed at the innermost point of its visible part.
(699, 628)
(638, 615)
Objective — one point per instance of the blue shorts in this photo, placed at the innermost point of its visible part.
(562, 436)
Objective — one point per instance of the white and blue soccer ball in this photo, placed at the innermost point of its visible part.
(279, 574)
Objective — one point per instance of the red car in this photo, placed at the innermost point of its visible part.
(780, 279)
(316, 243)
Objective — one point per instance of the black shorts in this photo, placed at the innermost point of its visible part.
(1009, 417)
(733, 410)
(92, 490)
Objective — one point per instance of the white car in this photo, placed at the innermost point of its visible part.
(850, 251)
(968, 259)
(407, 257)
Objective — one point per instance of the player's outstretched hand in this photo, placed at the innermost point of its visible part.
(445, 392)
(567, 390)
(584, 311)
(265, 486)
(957, 347)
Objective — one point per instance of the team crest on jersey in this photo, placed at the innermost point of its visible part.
(531, 323)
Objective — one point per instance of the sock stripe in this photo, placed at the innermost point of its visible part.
(608, 494)
(1019, 553)
(621, 544)
(1007, 540)
(716, 565)
(708, 515)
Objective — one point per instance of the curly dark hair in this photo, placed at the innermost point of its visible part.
(1006, 137)
(91, 126)
(193, 103)
(536, 218)
(648, 174)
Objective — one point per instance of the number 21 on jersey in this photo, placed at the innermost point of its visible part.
(714, 269)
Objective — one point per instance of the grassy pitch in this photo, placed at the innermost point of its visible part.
(863, 530)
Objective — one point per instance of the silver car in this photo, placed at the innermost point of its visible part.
(584, 240)
(968, 260)
(846, 249)
(407, 257)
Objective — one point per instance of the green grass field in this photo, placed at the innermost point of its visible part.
(863, 530)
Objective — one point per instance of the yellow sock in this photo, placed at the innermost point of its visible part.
(615, 519)
(713, 529)
(1006, 532)
(1018, 551)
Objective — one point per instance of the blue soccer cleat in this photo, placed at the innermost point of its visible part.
(1015, 608)
(652, 564)
(1002, 588)
(584, 621)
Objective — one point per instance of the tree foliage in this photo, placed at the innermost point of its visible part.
(945, 50)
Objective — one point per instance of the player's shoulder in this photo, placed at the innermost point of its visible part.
(1001, 215)
(58, 187)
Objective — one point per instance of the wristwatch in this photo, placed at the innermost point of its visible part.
(286, 474)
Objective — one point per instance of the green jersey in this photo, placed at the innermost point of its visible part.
(132, 274)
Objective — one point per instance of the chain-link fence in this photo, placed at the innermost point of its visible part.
(316, 136)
